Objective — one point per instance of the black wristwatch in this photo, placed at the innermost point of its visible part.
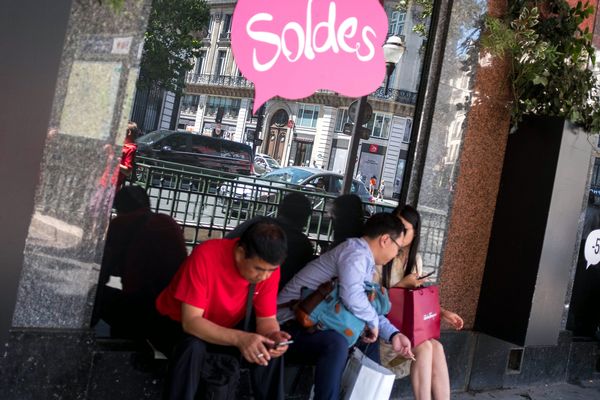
(392, 336)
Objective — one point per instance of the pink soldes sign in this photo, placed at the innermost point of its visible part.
(292, 48)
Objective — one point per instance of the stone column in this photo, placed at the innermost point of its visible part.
(468, 128)
(90, 110)
(324, 136)
(199, 122)
(393, 155)
(241, 120)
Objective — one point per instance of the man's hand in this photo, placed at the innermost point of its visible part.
(254, 347)
(401, 345)
(370, 335)
(277, 337)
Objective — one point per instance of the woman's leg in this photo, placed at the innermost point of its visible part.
(440, 385)
(420, 371)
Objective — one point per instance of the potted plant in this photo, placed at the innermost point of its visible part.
(550, 55)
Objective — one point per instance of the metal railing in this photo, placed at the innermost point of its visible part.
(433, 230)
(218, 80)
(208, 203)
(396, 95)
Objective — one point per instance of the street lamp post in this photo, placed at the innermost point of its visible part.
(392, 52)
(259, 127)
(393, 49)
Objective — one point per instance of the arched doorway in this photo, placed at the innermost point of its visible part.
(275, 141)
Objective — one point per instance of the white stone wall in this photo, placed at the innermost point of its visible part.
(394, 146)
(167, 112)
(200, 113)
(241, 120)
(324, 136)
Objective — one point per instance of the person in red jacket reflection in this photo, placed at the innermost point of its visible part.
(128, 154)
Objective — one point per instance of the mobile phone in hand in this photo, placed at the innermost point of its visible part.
(426, 275)
(284, 343)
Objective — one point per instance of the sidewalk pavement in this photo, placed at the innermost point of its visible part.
(588, 390)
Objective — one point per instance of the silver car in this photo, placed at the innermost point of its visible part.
(244, 193)
(264, 163)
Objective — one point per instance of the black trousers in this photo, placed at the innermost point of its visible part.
(190, 359)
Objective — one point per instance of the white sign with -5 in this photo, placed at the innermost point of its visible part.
(592, 248)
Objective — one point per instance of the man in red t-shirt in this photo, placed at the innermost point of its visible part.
(128, 153)
(208, 296)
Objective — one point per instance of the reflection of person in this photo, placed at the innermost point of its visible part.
(293, 212)
(352, 262)
(348, 218)
(320, 184)
(372, 185)
(217, 132)
(381, 190)
(360, 177)
(429, 373)
(208, 296)
(128, 154)
(101, 199)
(145, 250)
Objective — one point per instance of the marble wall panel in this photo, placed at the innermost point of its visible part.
(464, 157)
(92, 102)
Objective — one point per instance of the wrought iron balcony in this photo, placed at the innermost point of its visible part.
(395, 95)
(218, 80)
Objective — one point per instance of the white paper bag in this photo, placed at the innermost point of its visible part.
(365, 379)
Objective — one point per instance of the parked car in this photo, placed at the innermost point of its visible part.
(260, 195)
(197, 150)
(320, 179)
(264, 163)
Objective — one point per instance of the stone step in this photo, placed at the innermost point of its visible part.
(132, 372)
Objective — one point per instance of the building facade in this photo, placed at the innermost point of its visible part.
(219, 100)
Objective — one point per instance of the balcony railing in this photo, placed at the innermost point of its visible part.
(218, 80)
(400, 96)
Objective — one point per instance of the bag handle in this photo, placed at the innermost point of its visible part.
(249, 306)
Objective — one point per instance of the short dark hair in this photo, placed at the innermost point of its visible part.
(348, 217)
(131, 198)
(382, 224)
(296, 208)
(265, 240)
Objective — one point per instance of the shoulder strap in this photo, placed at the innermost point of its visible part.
(249, 306)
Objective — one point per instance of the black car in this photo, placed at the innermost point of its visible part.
(197, 150)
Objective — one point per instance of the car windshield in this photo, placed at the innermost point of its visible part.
(153, 137)
(272, 162)
(288, 175)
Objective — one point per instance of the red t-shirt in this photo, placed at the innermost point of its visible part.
(128, 154)
(208, 279)
(127, 157)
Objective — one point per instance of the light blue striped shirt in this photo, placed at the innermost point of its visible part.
(352, 263)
